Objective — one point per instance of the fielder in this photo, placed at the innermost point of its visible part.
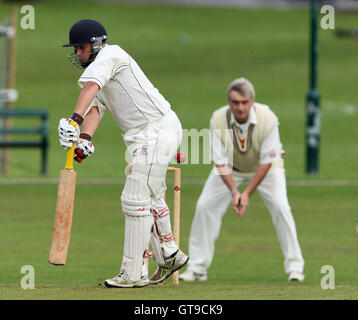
(245, 147)
(113, 81)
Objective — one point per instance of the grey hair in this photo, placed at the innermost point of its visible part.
(243, 86)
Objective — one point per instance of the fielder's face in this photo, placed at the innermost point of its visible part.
(83, 51)
(240, 106)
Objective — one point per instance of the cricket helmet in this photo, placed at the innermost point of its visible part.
(86, 31)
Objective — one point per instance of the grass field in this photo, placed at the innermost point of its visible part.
(247, 265)
(190, 54)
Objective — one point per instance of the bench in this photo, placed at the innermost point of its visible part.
(42, 130)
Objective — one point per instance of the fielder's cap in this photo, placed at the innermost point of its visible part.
(82, 32)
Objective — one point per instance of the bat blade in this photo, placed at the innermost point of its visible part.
(63, 217)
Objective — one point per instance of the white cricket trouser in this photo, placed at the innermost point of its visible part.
(213, 203)
(150, 149)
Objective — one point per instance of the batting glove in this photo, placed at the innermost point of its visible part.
(84, 147)
(67, 133)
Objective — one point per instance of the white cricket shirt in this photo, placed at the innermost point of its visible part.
(124, 89)
(270, 149)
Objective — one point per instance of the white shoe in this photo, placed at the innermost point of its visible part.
(122, 281)
(296, 276)
(174, 263)
(190, 275)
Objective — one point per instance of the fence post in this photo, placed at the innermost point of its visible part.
(9, 81)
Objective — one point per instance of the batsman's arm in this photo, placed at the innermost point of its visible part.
(91, 121)
(69, 134)
(84, 146)
(86, 97)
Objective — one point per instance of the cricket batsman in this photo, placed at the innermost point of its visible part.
(113, 81)
(246, 147)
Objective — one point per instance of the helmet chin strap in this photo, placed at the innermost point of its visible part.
(91, 58)
(97, 45)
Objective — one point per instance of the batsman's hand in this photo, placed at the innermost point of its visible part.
(67, 133)
(84, 147)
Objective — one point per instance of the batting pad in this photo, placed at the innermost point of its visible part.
(138, 222)
(163, 228)
(135, 196)
(157, 246)
(136, 240)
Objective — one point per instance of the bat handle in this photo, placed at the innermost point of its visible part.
(70, 152)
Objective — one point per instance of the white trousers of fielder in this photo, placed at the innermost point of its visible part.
(213, 203)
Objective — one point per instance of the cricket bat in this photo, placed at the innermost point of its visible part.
(64, 210)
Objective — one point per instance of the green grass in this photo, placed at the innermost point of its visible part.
(248, 262)
(190, 54)
(186, 291)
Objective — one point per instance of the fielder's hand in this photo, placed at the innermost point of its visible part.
(242, 204)
(235, 201)
(67, 133)
(84, 147)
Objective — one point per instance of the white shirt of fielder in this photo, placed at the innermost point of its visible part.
(124, 89)
(270, 149)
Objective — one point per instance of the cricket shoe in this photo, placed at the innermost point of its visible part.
(296, 276)
(176, 261)
(190, 275)
(122, 281)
